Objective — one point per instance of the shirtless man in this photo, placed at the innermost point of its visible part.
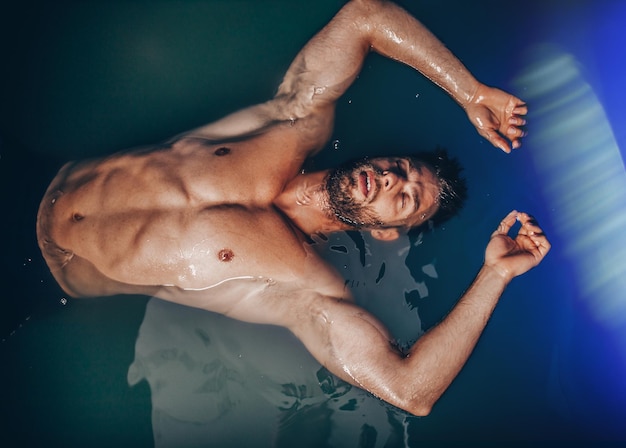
(218, 218)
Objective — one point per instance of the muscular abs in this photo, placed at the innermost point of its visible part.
(179, 216)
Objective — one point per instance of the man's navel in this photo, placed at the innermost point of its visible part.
(222, 151)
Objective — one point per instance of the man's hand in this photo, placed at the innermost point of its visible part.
(497, 116)
(512, 257)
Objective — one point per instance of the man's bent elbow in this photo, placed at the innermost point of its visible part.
(415, 407)
(420, 407)
(420, 410)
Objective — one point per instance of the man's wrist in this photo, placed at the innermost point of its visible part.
(472, 95)
(496, 272)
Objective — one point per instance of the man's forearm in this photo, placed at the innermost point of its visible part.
(438, 356)
(353, 345)
(330, 62)
(332, 59)
(396, 34)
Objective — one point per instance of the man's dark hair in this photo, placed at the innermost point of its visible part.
(453, 188)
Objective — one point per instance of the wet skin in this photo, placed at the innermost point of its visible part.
(383, 192)
(219, 217)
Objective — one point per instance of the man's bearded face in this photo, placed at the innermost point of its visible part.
(341, 182)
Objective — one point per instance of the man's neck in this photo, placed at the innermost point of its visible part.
(305, 202)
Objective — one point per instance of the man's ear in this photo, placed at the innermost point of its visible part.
(389, 234)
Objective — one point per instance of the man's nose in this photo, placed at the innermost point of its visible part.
(390, 179)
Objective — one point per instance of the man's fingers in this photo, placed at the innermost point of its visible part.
(542, 243)
(506, 223)
(496, 140)
(529, 223)
(514, 134)
(534, 232)
(520, 110)
(516, 106)
(513, 131)
(517, 121)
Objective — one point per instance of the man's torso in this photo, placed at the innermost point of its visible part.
(187, 215)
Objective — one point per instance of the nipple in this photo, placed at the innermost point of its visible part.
(225, 255)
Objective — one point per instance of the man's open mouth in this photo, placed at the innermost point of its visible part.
(366, 183)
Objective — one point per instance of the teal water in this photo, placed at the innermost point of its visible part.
(83, 80)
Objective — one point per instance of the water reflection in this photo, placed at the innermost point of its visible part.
(219, 382)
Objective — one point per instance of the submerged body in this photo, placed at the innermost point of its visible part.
(219, 218)
(183, 216)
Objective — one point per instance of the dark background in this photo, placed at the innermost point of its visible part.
(82, 79)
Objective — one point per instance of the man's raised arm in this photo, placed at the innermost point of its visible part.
(332, 59)
(330, 62)
(354, 346)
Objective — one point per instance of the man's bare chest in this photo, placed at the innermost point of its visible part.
(197, 249)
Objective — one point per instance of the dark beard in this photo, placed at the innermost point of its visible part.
(339, 183)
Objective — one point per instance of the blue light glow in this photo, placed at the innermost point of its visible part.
(579, 163)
